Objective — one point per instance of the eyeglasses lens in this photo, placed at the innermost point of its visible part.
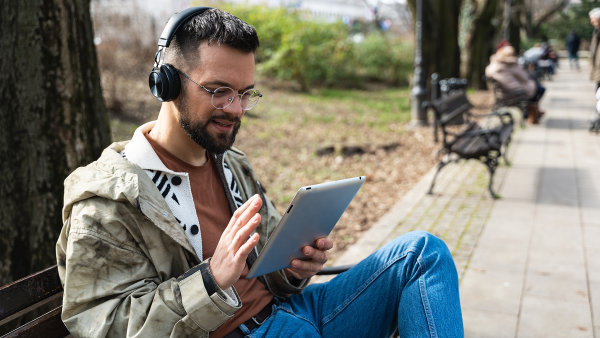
(224, 96)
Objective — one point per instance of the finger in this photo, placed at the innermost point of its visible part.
(316, 255)
(251, 210)
(247, 247)
(238, 213)
(324, 243)
(305, 268)
(241, 235)
(294, 273)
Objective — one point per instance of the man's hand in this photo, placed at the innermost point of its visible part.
(316, 257)
(229, 259)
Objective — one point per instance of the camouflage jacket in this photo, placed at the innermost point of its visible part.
(126, 264)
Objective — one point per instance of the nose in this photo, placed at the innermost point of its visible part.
(235, 108)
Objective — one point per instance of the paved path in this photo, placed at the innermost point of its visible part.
(529, 263)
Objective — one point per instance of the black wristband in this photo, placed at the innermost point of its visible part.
(209, 281)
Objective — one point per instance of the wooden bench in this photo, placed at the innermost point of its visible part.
(20, 299)
(464, 137)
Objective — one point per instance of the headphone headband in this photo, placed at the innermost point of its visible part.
(164, 81)
(175, 22)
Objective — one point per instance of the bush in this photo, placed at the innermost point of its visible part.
(271, 24)
(317, 54)
(385, 59)
(314, 54)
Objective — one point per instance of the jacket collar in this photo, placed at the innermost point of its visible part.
(140, 152)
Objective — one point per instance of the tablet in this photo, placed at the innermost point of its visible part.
(312, 213)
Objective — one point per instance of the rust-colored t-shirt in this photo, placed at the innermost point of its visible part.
(213, 213)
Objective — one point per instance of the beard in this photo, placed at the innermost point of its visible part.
(198, 130)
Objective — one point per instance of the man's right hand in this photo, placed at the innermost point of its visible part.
(229, 259)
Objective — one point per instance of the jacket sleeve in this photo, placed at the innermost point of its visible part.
(113, 288)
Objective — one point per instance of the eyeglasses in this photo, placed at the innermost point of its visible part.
(223, 97)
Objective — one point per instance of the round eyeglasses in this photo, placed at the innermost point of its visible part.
(223, 97)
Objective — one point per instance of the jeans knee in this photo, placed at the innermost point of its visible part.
(429, 245)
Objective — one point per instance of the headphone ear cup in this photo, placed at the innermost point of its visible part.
(158, 84)
(164, 83)
(174, 83)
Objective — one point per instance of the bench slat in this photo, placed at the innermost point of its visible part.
(48, 325)
(29, 293)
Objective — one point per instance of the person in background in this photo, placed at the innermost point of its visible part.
(514, 81)
(594, 57)
(572, 43)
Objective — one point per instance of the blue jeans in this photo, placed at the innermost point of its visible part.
(410, 284)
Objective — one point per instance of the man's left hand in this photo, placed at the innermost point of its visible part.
(316, 257)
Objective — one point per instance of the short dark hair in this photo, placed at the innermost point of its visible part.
(212, 26)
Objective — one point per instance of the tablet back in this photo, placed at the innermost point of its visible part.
(312, 214)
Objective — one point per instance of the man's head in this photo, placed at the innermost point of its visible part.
(595, 17)
(214, 27)
(210, 51)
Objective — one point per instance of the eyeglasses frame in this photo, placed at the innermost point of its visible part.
(230, 100)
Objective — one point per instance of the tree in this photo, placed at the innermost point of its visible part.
(539, 12)
(575, 18)
(52, 120)
(486, 22)
(483, 25)
(440, 36)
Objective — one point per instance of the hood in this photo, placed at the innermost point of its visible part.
(111, 177)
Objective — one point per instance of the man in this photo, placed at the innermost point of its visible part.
(572, 43)
(595, 58)
(159, 232)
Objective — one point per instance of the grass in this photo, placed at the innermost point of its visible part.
(291, 127)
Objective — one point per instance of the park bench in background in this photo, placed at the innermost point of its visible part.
(465, 135)
(22, 298)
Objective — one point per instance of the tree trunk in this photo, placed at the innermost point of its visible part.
(480, 40)
(442, 45)
(440, 36)
(516, 23)
(52, 120)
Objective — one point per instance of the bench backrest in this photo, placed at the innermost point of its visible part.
(450, 109)
(25, 295)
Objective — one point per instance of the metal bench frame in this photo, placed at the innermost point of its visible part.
(471, 141)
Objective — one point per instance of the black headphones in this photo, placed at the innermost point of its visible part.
(164, 81)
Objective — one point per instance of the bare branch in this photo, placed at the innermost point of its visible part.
(549, 13)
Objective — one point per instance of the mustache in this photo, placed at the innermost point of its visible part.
(232, 119)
